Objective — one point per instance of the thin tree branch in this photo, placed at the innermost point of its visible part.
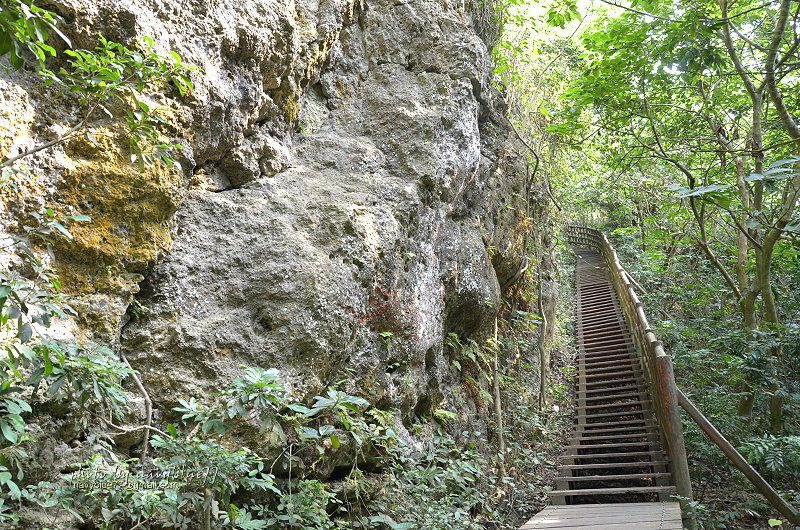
(148, 406)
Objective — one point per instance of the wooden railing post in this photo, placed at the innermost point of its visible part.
(673, 432)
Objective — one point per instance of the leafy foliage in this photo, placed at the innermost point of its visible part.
(776, 454)
(115, 75)
(24, 31)
(88, 375)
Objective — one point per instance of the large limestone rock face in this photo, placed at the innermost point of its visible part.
(348, 173)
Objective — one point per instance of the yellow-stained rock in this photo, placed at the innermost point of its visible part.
(130, 211)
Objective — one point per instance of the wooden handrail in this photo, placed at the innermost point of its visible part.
(665, 394)
(763, 487)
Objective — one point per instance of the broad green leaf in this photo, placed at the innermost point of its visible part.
(8, 433)
(325, 430)
(703, 190)
(25, 333)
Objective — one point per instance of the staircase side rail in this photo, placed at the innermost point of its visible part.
(761, 485)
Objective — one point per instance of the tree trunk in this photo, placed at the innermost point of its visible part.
(498, 409)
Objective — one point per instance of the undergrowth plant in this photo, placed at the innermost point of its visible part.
(113, 79)
(35, 367)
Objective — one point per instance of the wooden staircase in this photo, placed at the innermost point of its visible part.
(615, 454)
(627, 449)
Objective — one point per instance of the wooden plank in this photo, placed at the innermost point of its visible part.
(608, 439)
(629, 506)
(633, 476)
(653, 453)
(621, 465)
(593, 358)
(587, 518)
(615, 396)
(613, 389)
(610, 376)
(601, 330)
(593, 365)
(609, 367)
(615, 426)
(618, 516)
(645, 525)
(608, 406)
(612, 415)
(605, 446)
(612, 491)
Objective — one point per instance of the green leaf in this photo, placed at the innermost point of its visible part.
(13, 312)
(58, 226)
(48, 363)
(307, 433)
(774, 522)
(299, 408)
(8, 433)
(784, 162)
(84, 218)
(25, 333)
(325, 430)
(12, 407)
(703, 190)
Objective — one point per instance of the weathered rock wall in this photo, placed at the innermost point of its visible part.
(348, 171)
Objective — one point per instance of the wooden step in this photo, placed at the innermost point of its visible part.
(622, 373)
(611, 437)
(590, 317)
(624, 366)
(600, 336)
(603, 406)
(614, 376)
(601, 390)
(618, 396)
(631, 476)
(594, 365)
(609, 322)
(605, 446)
(623, 353)
(621, 465)
(596, 342)
(595, 456)
(605, 349)
(596, 304)
(618, 425)
(612, 491)
(613, 415)
(598, 285)
(591, 359)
